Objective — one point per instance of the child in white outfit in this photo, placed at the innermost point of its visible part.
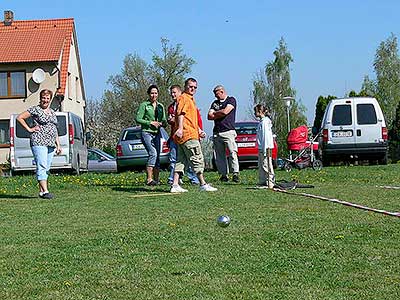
(266, 175)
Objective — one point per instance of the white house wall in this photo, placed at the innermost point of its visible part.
(74, 100)
(18, 105)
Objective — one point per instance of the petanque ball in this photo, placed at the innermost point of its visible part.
(223, 221)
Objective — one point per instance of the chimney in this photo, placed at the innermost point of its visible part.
(8, 17)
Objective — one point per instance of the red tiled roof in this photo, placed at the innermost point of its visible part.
(37, 40)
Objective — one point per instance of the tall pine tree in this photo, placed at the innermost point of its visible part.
(270, 87)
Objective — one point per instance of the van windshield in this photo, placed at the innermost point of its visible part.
(22, 133)
(341, 115)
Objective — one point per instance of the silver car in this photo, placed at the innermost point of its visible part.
(131, 153)
(100, 161)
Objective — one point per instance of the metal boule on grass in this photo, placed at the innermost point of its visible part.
(223, 221)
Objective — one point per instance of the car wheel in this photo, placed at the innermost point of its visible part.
(317, 165)
(121, 169)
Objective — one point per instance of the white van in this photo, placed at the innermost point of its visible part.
(354, 128)
(72, 139)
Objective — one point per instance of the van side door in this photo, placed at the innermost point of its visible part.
(63, 159)
(342, 124)
(368, 127)
(79, 145)
(84, 149)
(22, 156)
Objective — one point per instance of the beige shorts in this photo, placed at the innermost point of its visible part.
(190, 154)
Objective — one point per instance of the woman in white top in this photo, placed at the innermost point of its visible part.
(266, 175)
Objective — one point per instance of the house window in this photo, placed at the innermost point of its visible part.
(77, 89)
(12, 84)
(4, 133)
(70, 87)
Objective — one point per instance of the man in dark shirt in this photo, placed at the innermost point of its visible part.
(223, 111)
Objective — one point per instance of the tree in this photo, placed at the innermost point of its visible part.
(320, 107)
(271, 85)
(368, 88)
(96, 124)
(119, 104)
(169, 68)
(387, 69)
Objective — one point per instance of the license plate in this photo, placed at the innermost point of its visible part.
(342, 133)
(246, 145)
(137, 147)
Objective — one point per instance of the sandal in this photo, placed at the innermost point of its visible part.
(151, 183)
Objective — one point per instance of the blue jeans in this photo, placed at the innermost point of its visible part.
(43, 156)
(173, 154)
(151, 142)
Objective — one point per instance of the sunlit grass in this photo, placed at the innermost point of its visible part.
(104, 237)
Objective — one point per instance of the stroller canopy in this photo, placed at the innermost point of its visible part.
(298, 139)
(297, 135)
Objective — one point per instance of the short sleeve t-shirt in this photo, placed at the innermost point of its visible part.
(187, 108)
(47, 134)
(171, 110)
(228, 122)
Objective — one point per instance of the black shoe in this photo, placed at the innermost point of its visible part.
(47, 196)
(235, 178)
(224, 178)
(151, 183)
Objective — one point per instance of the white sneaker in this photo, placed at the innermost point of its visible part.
(177, 189)
(207, 188)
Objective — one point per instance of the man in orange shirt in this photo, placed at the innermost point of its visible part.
(175, 92)
(187, 137)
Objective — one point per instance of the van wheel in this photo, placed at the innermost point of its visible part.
(383, 160)
(325, 161)
(77, 170)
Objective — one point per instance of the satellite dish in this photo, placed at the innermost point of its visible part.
(38, 75)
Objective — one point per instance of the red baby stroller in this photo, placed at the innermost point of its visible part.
(306, 150)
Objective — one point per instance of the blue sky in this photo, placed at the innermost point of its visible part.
(333, 43)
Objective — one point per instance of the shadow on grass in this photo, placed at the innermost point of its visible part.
(5, 196)
(141, 189)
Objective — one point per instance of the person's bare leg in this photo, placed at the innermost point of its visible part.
(200, 176)
(176, 179)
(149, 171)
(43, 186)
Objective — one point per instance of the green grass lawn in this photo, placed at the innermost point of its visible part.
(105, 237)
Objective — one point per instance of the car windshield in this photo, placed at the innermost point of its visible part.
(246, 128)
(135, 134)
(95, 154)
(106, 154)
(131, 135)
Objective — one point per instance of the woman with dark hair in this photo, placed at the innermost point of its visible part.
(151, 116)
(44, 138)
